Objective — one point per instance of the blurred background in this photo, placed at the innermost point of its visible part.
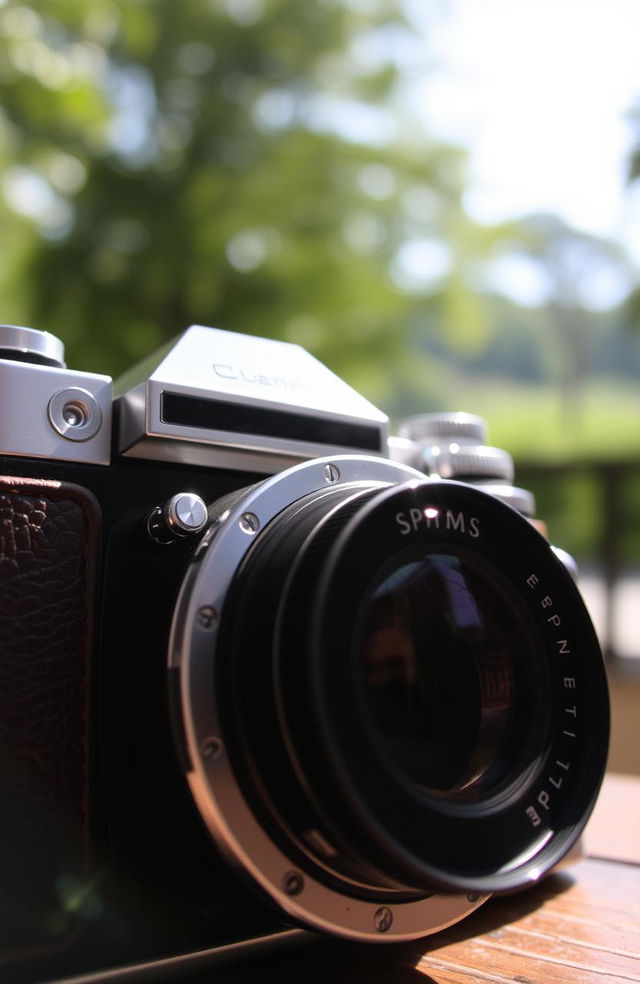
(440, 200)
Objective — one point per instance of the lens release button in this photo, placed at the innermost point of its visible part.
(185, 514)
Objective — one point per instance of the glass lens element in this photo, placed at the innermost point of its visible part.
(437, 663)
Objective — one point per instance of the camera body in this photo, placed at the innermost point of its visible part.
(170, 790)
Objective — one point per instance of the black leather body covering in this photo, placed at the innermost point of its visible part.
(49, 542)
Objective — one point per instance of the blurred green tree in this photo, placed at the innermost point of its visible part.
(228, 162)
(633, 178)
(580, 273)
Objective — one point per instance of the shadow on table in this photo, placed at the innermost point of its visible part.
(328, 961)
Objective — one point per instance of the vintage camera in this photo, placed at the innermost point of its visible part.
(265, 671)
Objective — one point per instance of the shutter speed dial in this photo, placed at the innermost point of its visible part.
(30, 345)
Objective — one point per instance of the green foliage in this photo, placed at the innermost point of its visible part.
(195, 164)
(569, 506)
(165, 163)
(630, 545)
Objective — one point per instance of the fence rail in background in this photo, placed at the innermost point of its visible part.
(612, 584)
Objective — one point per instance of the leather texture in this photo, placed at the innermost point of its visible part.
(48, 560)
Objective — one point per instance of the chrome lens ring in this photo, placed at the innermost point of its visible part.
(212, 779)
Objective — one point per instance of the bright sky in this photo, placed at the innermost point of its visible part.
(539, 90)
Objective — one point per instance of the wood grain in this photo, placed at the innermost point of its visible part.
(614, 828)
(577, 928)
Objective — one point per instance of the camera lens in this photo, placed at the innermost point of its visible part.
(441, 664)
(407, 688)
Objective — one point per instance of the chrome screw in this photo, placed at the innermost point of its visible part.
(383, 919)
(331, 473)
(212, 749)
(473, 896)
(74, 414)
(293, 883)
(249, 523)
(207, 617)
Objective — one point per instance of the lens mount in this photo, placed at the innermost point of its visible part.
(340, 594)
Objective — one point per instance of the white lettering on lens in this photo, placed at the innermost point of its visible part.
(534, 816)
(563, 646)
(573, 711)
(458, 522)
(416, 517)
(556, 781)
(401, 520)
(455, 521)
(543, 799)
(570, 683)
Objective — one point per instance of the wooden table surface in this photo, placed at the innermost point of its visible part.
(580, 926)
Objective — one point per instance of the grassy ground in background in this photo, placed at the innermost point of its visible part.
(532, 423)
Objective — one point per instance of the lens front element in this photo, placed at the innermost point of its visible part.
(441, 638)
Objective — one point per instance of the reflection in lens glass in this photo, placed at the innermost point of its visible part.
(436, 663)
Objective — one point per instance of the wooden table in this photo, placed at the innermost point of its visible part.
(580, 926)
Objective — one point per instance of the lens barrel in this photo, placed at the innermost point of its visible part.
(452, 742)
(407, 687)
